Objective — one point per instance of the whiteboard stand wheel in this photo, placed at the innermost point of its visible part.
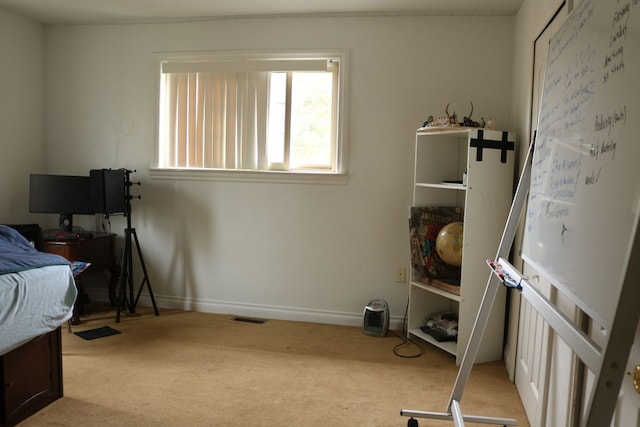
(412, 422)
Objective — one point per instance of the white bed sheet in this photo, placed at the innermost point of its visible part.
(34, 302)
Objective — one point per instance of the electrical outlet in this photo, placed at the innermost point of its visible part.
(401, 275)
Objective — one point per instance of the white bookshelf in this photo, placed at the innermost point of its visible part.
(442, 155)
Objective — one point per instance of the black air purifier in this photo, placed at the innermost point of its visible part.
(376, 318)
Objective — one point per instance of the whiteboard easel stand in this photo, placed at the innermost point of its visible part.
(607, 365)
(453, 411)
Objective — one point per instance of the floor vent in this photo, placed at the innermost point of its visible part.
(248, 320)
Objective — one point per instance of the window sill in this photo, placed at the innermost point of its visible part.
(248, 176)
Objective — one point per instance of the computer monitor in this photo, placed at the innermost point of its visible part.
(65, 195)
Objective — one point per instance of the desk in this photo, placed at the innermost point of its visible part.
(99, 250)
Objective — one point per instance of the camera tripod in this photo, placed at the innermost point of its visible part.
(126, 267)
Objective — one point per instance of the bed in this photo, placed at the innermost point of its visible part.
(37, 293)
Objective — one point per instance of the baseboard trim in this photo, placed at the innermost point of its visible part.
(269, 312)
(259, 310)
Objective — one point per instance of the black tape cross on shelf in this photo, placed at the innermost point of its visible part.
(504, 145)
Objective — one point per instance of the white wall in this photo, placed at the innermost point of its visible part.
(21, 112)
(306, 252)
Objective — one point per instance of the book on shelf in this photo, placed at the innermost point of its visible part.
(453, 287)
(424, 225)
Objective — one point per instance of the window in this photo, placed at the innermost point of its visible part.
(251, 112)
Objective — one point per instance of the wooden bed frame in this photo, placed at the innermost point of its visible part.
(30, 375)
(31, 378)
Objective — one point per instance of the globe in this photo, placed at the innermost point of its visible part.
(449, 244)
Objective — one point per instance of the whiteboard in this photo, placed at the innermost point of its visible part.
(583, 204)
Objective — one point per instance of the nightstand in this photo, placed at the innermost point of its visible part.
(99, 250)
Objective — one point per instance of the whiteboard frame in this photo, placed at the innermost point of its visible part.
(562, 264)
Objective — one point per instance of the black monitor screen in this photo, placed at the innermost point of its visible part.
(62, 194)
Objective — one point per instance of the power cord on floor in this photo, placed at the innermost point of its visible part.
(406, 341)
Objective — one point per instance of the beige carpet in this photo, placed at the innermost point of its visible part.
(198, 369)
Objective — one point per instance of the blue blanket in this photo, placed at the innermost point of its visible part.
(17, 254)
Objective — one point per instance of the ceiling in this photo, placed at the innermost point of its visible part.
(101, 11)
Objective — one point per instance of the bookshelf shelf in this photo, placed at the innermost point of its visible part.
(435, 288)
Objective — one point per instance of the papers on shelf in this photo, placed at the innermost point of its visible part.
(78, 267)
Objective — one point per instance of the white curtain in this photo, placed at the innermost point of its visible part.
(213, 120)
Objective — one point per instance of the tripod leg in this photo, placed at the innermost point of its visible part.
(122, 282)
(129, 253)
(145, 279)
